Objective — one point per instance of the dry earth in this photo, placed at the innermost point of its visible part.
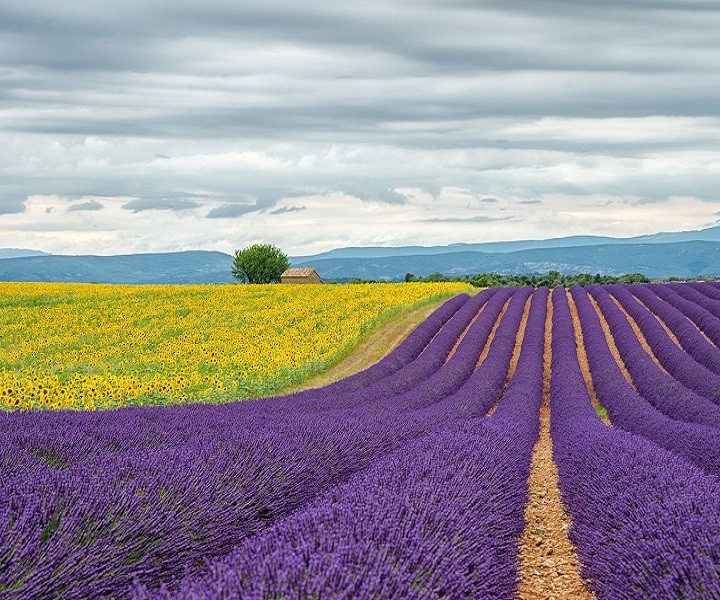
(582, 357)
(516, 350)
(659, 320)
(549, 566)
(639, 334)
(611, 342)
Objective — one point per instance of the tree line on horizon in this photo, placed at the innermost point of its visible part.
(550, 279)
(264, 263)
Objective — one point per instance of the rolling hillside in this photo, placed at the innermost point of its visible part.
(174, 267)
(711, 234)
(683, 254)
(684, 259)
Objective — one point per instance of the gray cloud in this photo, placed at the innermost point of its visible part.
(286, 209)
(82, 206)
(174, 204)
(231, 211)
(418, 54)
(474, 219)
(11, 205)
(370, 194)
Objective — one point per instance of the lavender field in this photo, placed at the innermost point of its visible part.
(406, 480)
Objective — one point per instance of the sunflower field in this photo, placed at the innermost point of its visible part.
(93, 346)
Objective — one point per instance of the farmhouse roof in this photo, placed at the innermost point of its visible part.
(303, 272)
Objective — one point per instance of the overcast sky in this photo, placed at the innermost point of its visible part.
(131, 126)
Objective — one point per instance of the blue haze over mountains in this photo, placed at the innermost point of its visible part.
(683, 254)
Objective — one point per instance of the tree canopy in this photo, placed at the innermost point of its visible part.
(259, 263)
(551, 279)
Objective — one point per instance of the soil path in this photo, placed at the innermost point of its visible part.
(520, 336)
(491, 335)
(611, 342)
(549, 566)
(638, 333)
(671, 335)
(582, 358)
(462, 335)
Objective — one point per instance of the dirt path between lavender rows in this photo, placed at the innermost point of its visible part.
(549, 567)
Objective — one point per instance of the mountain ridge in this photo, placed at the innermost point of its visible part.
(684, 254)
(711, 234)
(683, 259)
(20, 253)
(192, 266)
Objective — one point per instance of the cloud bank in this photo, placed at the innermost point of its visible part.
(134, 127)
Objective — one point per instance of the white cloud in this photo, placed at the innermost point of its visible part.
(328, 220)
(227, 160)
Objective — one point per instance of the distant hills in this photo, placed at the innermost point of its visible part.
(195, 266)
(19, 252)
(683, 254)
(711, 234)
(656, 260)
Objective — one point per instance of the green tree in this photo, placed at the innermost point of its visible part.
(259, 263)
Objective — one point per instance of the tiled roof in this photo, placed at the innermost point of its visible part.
(304, 272)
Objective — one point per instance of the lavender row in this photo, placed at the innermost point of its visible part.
(707, 289)
(432, 357)
(386, 534)
(673, 358)
(428, 360)
(645, 522)
(676, 313)
(440, 517)
(147, 513)
(659, 388)
(692, 291)
(407, 351)
(456, 375)
(702, 311)
(629, 410)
